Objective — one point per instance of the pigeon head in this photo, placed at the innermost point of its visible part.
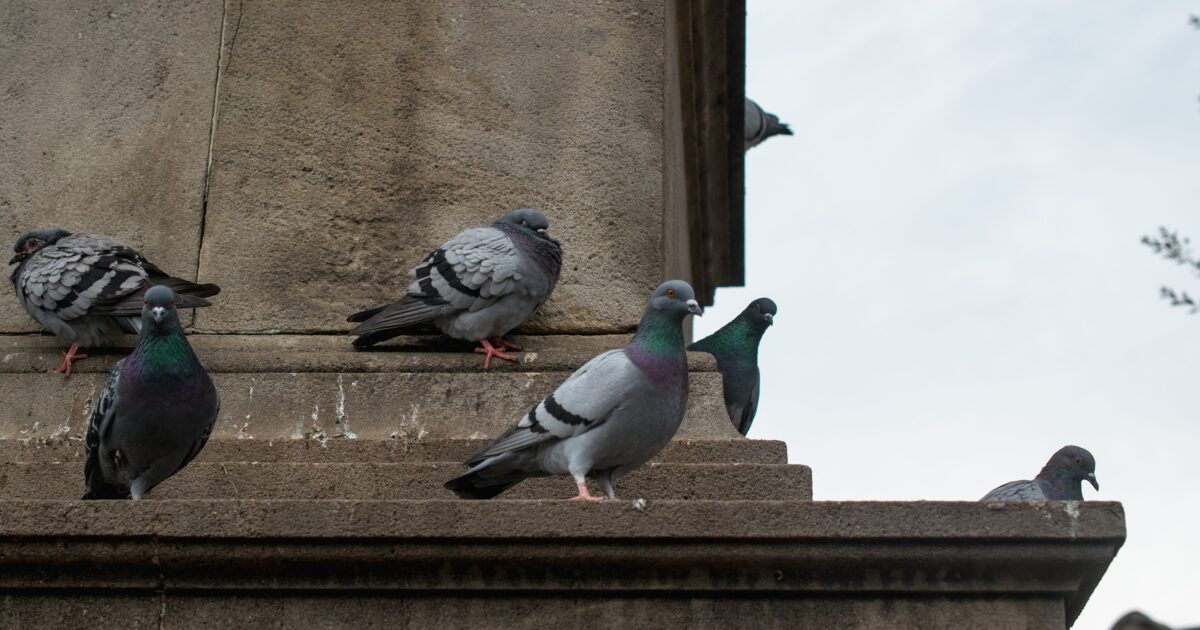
(675, 299)
(30, 242)
(159, 311)
(529, 219)
(1074, 463)
(761, 313)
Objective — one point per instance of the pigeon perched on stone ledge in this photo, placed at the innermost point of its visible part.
(1060, 480)
(156, 411)
(477, 287)
(760, 125)
(87, 289)
(608, 418)
(735, 347)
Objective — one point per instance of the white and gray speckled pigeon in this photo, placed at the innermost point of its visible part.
(608, 418)
(87, 289)
(761, 125)
(477, 287)
(1060, 479)
(156, 411)
(735, 347)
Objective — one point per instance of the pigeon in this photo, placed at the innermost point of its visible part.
(156, 411)
(477, 287)
(760, 125)
(1060, 479)
(608, 418)
(87, 289)
(735, 346)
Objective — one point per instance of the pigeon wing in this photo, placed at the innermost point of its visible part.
(1016, 491)
(98, 427)
(583, 402)
(469, 272)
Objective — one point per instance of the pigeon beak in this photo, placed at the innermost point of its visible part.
(694, 308)
(541, 230)
(1092, 480)
(16, 259)
(158, 313)
(770, 318)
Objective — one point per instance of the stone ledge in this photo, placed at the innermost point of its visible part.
(686, 548)
(36, 354)
(388, 482)
(703, 451)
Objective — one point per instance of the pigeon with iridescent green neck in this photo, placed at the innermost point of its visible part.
(608, 418)
(156, 411)
(735, 346)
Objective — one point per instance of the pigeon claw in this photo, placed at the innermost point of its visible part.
(500, 343)
(69, 357)
(491, 351)
(585, 496)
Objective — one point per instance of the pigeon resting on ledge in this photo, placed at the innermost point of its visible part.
(608, 418)
(87, 289)
(155, 413)
(1060, 479)
(477, 287)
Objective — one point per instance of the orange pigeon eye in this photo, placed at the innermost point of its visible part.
(670, 293)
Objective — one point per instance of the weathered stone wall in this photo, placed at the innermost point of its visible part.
(348, 142)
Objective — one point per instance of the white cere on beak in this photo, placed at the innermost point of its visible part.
(694, 308)
(769, 317)
(541, 230)
(158, 313)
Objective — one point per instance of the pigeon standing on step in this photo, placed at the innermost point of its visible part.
(608, 418)
(761, 125)
(477, 287)
(1060, 479)
(87, 289)
(735, 347)
(156, 411)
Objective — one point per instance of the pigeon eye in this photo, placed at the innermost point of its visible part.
(671, 293)
(1078, 461)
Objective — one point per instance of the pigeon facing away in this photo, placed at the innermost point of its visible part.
(608, 418)
(1060, 479)
(156, 412)
(87, 289)
(477, 287)
(735, 347)
(761, 125)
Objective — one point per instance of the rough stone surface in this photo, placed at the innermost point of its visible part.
(887, 563)
(339, 164)
(406, 611)
(736, 450)
(105, 117)
(389, 482)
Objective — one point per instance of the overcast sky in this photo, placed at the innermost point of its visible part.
(952, 238)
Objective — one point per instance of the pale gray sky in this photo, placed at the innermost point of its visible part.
(952, 238)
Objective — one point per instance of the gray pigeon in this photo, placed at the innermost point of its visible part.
(156, 412)
(87, 289)
(608, 418)
(761, 125)
(477, 287)
(735, 347)
(1060, 479)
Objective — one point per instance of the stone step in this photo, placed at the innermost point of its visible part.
(688, 564)
(377, 481)
(305, 386)
(682, 451)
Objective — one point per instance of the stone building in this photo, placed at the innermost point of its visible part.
(304, 155)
